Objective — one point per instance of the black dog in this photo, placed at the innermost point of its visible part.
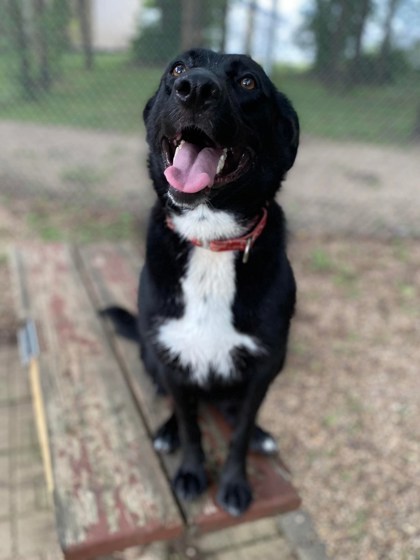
(217, 292)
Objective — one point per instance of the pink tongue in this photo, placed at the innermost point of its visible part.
(193, 168)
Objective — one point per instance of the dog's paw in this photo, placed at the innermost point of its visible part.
(234, 496)
(166, 438)
(262, 442)
(190, 483)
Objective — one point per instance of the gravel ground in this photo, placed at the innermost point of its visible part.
(334, 187)
(346, 410)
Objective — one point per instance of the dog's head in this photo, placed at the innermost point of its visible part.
(219, 132)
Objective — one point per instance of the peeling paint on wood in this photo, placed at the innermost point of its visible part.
(109, 488)
(269, 477)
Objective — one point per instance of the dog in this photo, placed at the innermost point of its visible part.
(217, 292)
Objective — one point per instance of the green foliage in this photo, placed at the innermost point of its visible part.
(113, 96)
(53, 25)
(335, 28)
(154, 46)
(334, 31)
(374, 113)
(158, 42)
(34, 34)
(370, 69)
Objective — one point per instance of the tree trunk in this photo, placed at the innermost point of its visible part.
(339, 37)
(191, 24)
(250, 27)
(42, 43)
(365, 8)
(223, 38)
(384, 69)
(416, 129)
(355, 72)
(23, 49)
(84, 12)
(329, 26)
(320, 28)
(271, 38)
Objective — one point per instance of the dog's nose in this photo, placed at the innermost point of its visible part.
(198, 89)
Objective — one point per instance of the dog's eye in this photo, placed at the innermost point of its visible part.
(248, 83)
(178, 69)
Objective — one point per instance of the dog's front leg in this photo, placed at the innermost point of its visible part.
(190, 480)
(234, 494)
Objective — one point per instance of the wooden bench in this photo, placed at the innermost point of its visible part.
(110, 488)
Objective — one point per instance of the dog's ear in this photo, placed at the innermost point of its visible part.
(288, 127)
(148, 108)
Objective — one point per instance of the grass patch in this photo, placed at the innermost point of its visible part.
(41, 225)
(378, 114)
(341, 272)
(400, 250)
(407, 291)
(332, 419)
(55, 222)
(83, 175)
(357, 529)
(321, 261)
(119, 228)
(113, 95)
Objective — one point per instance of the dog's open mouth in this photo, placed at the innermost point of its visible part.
(194, 161)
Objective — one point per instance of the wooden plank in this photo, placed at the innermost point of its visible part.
(112, 273)
(109, 490)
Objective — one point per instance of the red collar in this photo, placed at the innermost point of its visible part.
(243, 243)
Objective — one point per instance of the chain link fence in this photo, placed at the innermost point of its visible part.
(75, 75)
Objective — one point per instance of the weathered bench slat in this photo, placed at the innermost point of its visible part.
(112, 273)
(109, 490)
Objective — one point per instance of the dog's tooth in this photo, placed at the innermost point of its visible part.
(179, 147)
(222, 161)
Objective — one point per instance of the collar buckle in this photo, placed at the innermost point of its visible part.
(247, 250)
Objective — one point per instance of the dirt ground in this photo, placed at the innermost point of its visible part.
(346, 410)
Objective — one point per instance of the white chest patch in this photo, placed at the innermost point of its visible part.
(205, 224)
(204, 337)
